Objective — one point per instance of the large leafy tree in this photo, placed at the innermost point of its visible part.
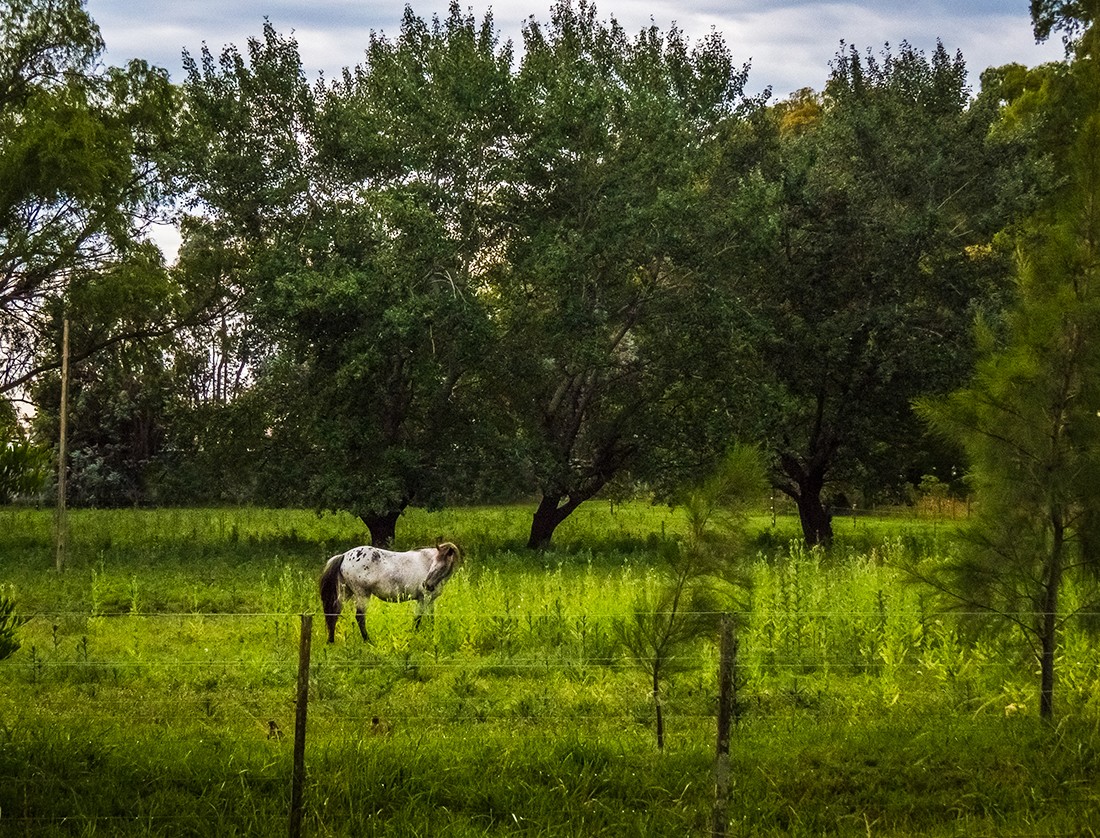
(83, 154)
(864, 224)
(601, 306)
(364, 213)
(247, 171)
(420, 139)
(1070, 17)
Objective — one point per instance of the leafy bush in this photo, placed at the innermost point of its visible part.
(23, 468)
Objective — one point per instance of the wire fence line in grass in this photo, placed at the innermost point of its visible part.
(682, 662)
(243, 732)
(75, 639)
(609, 615)
(251, 645)
(799, 662)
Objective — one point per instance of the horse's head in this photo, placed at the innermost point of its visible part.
(450, 553)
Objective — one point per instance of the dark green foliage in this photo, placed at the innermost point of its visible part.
(882, 211)
(468, 279)
(23, 465)
(861, 222)
(364, 232)
(82, 169)
(451, 274)
(1070, 17)
(618, 351)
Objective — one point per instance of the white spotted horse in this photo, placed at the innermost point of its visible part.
(390, 576)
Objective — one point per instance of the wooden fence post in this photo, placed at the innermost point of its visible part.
(301, 705)
(62, 515)
(727, 664)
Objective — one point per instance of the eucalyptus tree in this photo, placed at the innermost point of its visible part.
(363, 215)
(599, 293)
(85, 154)
(860, 235)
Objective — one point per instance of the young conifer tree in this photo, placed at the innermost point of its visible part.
(1029, 421)
(702, 575)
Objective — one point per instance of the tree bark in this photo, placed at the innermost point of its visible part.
(817, 522)
(658, 708)
(550, 512)
(1049, 626)
(804, 488)
(805, 481)
(382, 526)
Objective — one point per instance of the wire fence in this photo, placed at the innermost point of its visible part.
(772, 640)
(84, 686)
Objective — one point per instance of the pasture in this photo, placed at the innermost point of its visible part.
(154, 690)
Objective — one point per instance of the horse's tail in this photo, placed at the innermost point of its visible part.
(331, 582)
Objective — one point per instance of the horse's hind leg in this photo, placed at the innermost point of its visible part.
(361, 617)
(332, 615)
(331, 601)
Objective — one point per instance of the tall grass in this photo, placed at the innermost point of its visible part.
(154, 690)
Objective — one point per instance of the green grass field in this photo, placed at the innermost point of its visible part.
(154, 690)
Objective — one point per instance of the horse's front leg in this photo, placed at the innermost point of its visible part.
(423, 606)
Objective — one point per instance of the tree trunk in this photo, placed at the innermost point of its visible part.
(804, 484)
(817, 522)
(548, 515)
(1049, 627)
(1046, 670)
(659, 709)
(382, 526)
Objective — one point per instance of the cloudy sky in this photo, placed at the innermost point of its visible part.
(788, 43)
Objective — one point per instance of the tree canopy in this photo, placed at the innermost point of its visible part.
(84, 151)
(608, 323)
(463, 270)
(865, 218)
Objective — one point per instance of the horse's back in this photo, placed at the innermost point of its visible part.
(385, 574)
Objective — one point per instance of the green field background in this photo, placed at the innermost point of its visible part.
(154, 690)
